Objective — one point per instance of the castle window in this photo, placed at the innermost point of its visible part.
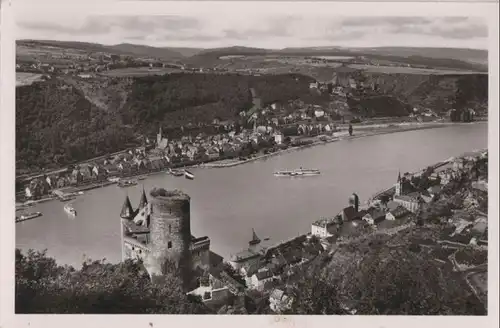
(133, 248)
(169, 228)
(140, 251)
(169, 245)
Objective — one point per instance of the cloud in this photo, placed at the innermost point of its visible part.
(95, 25)
(384, 21)
(256, 29)
(460, 28)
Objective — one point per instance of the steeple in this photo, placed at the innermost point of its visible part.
(399, 185)
(255, 240)
(159, 136)
(144, 201)
(127, 210)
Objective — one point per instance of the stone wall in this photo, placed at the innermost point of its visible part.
(170, 232)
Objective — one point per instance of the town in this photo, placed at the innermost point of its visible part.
(275, 163)
(449, 198)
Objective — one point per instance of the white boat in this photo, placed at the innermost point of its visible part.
(68, 208)
(28, 216)
(297, 173)
(188, 175)
(175, 173)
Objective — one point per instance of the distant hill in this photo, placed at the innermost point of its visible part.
(469, 55)
(473, 59)
(119, 49)
(464, 54)
(141, 50)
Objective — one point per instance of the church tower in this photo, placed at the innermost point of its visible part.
(159, 137)
(399, 185)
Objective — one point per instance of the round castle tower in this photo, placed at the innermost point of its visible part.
(170, 231)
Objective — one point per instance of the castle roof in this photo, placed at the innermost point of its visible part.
(255, 240)
(127, 210)
(144, 201)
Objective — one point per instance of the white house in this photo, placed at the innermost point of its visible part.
(279, 301)
(258, 280)
(319, 113)
(320, 228)
(374, 216)
(397, 213)
(409, 202)
(278, 138)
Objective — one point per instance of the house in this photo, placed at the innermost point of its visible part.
(434, 190)
(397, 213)
(259, 279)
(458, 164)
(349, 214)
(278, 138)
(426, 196)
(411, 202)
(374, 216)
(323, 228)
(319, 113)
(76, 177)
(279, 301)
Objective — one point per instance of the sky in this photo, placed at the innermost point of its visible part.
(256, 25)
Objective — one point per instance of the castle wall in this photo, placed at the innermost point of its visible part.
(134, 250)
(170, 232)
(200, 255)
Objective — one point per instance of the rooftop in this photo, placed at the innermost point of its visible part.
(161, 193)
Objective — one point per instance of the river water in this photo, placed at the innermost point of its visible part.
(226, 203)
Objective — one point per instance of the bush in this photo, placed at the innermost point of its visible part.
(42, 286)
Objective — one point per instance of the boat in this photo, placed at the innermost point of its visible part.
(28, 216)
(297, 173)
(66, 198)
(188, 175)
(126, 183)
(68, 208)
(141, 178)
(176, 173)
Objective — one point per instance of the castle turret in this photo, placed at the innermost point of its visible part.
(354, 202)
(127, 210)
(144, 200)
(170, 232)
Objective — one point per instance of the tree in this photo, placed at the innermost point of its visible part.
(405, 282)
(42, 286)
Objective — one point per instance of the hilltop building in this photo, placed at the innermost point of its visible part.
(159, 229)
(161, 143)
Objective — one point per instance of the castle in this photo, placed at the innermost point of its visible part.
(159, 229)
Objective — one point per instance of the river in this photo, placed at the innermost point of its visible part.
(226, 203)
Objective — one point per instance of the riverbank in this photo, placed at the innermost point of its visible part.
(368, 131)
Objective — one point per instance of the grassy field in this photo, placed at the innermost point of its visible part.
(139, 71)
(27, 78)
(409, 70)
